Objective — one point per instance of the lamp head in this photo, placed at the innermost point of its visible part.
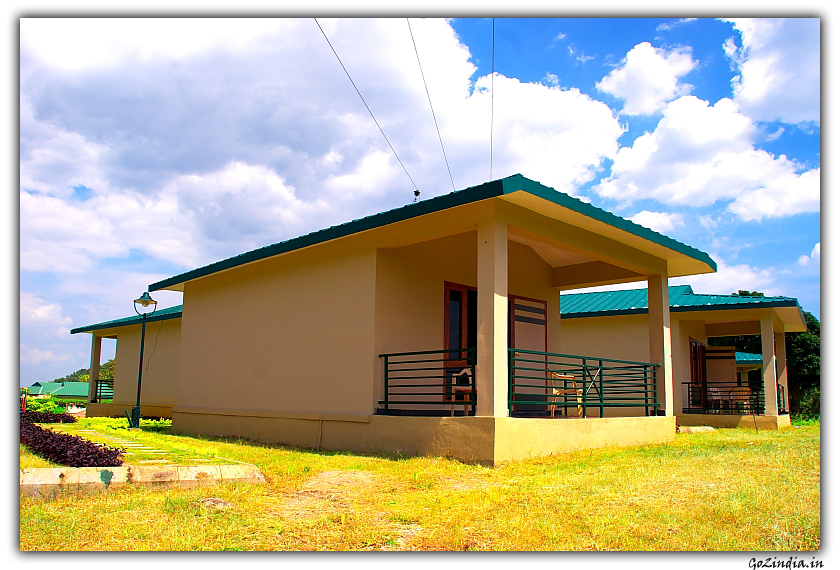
(144, 301)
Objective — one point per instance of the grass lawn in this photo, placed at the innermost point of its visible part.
(726, 490)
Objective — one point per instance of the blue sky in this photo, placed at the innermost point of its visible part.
(151, 147)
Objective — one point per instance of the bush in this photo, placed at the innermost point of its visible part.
(64, 449)
(46, 418)
(809, 404)
(48, 404)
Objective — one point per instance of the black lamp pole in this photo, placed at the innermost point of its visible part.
(145, 300)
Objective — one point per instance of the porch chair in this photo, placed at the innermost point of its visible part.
(556, 391)
(740, 396)
(461, 391)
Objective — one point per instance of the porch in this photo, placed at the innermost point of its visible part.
(439, 383)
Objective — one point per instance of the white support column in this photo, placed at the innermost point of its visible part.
(781, 367)
(95, 355)
(659, 305)
(768, 369)
(492, 366)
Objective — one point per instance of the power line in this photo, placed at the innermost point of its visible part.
(492, 93)
(366, 105)
(430, 103)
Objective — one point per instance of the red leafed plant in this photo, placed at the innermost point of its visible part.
(64, 449)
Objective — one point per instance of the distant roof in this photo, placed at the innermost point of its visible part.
(159, 315)
(492, 189)
(683, 298)
(60, 388)
(744, 358)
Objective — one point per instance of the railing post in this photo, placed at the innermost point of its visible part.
(386, 382)
(511, 362)
(601, 384)
(655, 392)
(585, 391)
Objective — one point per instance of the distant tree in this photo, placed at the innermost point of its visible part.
(106, 371)
(803, 356)
(743, 293)
(81, 375)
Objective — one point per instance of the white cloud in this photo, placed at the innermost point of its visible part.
(35, 356)
(648, 77)
(552, 79)
(86, 42)
(778, 68)
(699, 154)
(665, 26)
(732, 278)
(814, 257)
(225, 150)
(37, 313)
(775, 135)
(708, 222)
(658, 221)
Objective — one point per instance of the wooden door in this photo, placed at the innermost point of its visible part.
(528, 330)
(460, 331)
(697, 393)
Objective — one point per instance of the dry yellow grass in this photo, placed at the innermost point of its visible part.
(727, 490)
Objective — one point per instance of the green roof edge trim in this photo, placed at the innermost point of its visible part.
(129, 321)
(688, 308)
(491, 189)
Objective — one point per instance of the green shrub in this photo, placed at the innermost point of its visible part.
(48, 404)
(809, 404)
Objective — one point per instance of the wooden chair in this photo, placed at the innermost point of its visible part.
(740, 397)
(554, 391)
(461, 392)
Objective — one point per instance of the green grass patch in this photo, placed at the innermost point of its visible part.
(731, 489)
(154, 436)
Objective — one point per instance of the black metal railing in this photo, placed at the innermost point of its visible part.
(429, 383)
(723, 398)
(545, 384)
(782, 401)
(104, 391)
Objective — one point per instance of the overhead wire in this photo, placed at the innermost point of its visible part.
(366, 106)
(492, 92)
(430, 103)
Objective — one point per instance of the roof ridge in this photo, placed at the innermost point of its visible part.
(486, 190)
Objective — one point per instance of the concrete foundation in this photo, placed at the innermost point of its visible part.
(118, 410)
(484, 440)
(734, 421)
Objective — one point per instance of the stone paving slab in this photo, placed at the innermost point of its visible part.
(52, 482)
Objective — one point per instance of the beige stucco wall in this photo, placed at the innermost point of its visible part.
(624, 337)
(161, 366)
(292, 333)
(530, 276)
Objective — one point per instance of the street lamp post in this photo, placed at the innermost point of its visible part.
(144, 301)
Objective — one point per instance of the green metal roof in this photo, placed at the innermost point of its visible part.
(683, 298)
(159, 315)
(40, 388)
(492, 189)
(70, 389)
(745, 358)
(66, 389)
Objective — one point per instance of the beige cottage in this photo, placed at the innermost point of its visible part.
(431, 329)
(710, 384)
